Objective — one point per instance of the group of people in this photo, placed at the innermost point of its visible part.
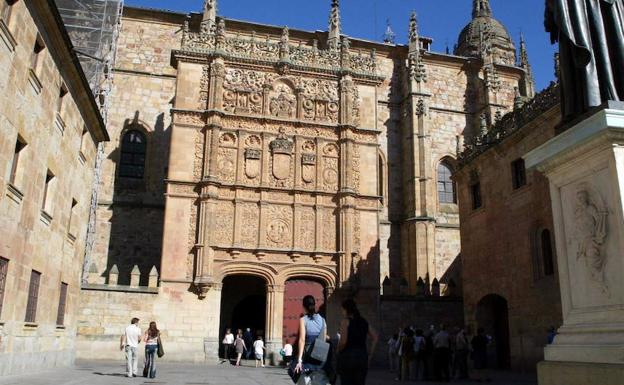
(130, 341)
(242, 344)
(436, 354)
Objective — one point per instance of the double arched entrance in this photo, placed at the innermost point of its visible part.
(269, 304)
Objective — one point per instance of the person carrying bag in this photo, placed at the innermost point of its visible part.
(313, 352)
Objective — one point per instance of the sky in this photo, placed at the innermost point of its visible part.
(441, 20)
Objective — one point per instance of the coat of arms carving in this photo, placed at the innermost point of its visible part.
(308, 167)
(252, 162)
(281, 149)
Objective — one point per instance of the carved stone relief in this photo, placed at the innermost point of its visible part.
(191, 240)
(226, 159)
(308, 163)
(198, 163)
(281, 160)
(307, 225)
(590, 215)
(249, 224)
(355, 166)
(279, 226)
(282, 101)
(224, 223)
(321, 101)
(330, 167)
(329, 229)
(253, 157)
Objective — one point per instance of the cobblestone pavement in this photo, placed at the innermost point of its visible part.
(107, 373)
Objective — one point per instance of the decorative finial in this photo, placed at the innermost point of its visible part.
(334, 25)
(413, 28)
(389, 35)
(481, 8)
(210, 14)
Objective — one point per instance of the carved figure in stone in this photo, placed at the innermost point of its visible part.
(278, 231)
(283, 104)
(591, 51)
(591, 232)
(281, 149)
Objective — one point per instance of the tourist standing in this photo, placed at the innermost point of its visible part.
(152, 339)
(353, 358)
(259, 348)
(130, 343)
(239, 346)
(288, 352)
(228, 344)
(462, 349)
(393, 349)
(406, 352)
(442, 354)
(248, 338)
(479, 349)
(420, 344)
(311, 326)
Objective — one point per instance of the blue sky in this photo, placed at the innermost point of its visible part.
(441, 20)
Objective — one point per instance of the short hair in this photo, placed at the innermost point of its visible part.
(134, 320)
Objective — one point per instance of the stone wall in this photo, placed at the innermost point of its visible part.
(499, 242)
(44, 235)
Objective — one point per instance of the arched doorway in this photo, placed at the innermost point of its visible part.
(243, 304)
(294, 291)
(493, 316)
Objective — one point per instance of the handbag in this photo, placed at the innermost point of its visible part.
(160, 351)
(321, 347)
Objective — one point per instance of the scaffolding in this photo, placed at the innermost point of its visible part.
(93, 26)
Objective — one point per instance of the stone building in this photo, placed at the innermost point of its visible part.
(508, 251)
(49, 129)
(250, 163)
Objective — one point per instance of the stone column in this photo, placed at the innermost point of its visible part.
(213, 338)
(274, 322)
(585, 168)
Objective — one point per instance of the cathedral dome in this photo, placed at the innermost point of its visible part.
(484, 28)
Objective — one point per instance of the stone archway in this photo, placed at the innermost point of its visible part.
(493, 316)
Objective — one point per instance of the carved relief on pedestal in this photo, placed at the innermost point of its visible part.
(253, 158)
(308, 163)
(320, 101)
(307, 220)
(242, 91)
(330, 167)
(281, 161)
(282, 101)
(204, 88)
(223, 223)
(226, 160)
(357, 233)
(355, 107)
(249, 224)
(590, 215)
(355, 167)
(329, 229)
(279, 226)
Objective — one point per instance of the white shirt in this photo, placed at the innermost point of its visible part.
(229, 339)
(288, 350)
(133, 336)
(258, 347)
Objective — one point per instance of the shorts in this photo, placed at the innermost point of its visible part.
(258, 357)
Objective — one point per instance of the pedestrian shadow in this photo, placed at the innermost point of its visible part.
(110, 374)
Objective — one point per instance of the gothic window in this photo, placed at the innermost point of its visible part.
(4, 268)
(475, 192)
(544, 263)
(133, 149)
(446, 186)
(518, 173)
(33, 297)
(547, 253)
(60, 315)
(19, 147)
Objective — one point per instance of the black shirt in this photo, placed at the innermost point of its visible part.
(357, 333)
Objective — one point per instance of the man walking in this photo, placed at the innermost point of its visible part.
(130, 343)
(442, 354)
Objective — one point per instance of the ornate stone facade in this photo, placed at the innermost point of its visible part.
(293, 155)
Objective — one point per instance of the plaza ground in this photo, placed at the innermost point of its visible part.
(113, 373)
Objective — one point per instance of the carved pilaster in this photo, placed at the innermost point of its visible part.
(347, 89)
(217, 77)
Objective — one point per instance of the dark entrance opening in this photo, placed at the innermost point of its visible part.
(243, 305)
(493, 316)
(295, 290)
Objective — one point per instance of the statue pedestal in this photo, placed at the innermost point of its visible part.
(585, 168)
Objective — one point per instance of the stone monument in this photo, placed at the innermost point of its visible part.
(585, 168)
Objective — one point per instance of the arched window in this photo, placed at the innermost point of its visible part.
(133, 148)
(547, 253)
(446, 186)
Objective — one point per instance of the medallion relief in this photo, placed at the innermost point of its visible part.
(282, 101)
(279, 230)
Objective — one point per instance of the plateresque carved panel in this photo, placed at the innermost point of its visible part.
(329, 229)
(250, 215)
(307, 228)
(224, 223)
(279, 226)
